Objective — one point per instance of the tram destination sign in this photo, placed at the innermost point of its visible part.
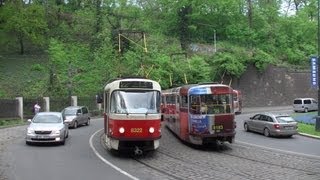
(314, 72)
(136, 84)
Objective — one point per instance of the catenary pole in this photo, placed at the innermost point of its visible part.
(317, 127)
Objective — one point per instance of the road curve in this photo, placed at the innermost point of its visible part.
(84, 157)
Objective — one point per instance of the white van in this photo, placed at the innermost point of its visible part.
(305, 105)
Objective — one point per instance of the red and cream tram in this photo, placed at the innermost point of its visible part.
(237, 101)
(200, 114)
(132, 118)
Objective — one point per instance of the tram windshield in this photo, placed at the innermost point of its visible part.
(135, 102)
(210, 104)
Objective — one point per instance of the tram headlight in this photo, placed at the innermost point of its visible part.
(151, 130)
(121, 130)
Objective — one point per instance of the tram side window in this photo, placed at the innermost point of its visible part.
(178, 99)
(210, 104)
(184, 101)
(106, 105)
(170, 99)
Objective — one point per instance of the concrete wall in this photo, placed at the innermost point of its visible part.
(274, 87)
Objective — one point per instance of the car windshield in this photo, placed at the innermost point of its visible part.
(135, 102)
(285, 119)
(70, 112)
(48, 118)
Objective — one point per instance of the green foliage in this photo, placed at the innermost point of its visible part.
(261, 59)
(37, 67)
(26, 22)
(2, 93)
(80, 39)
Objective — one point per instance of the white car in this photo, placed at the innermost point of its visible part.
(305, 105)
(47, 127)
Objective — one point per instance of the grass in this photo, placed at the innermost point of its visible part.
(19, 72)
(11, 122)
(308, 129)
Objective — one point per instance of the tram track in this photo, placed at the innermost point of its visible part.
(176, 160)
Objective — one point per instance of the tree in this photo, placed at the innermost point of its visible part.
(25, 22)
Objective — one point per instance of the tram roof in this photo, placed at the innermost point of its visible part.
(189, 86)
(115, 84)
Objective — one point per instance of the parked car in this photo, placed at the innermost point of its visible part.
(76, 115)
(47, 127)
(305, 105)
(271, 124)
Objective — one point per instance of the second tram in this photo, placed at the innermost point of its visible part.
(132, 118)
(200, 114)
(237, 101)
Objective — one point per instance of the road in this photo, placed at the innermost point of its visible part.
(296, 144)
(252, 156)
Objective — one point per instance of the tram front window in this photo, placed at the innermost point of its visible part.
(210, 104)
(135, 102)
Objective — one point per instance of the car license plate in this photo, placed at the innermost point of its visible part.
(288, 127)
(217, 127)
(41, 137)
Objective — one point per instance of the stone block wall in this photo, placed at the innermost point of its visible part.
(274, 87)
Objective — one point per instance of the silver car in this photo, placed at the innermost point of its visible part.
(271, 124)
(76, 115)
(47, 127)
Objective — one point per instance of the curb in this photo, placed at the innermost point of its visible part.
(310, 136)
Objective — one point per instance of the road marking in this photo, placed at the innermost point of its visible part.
(106, 161)
(285, 151)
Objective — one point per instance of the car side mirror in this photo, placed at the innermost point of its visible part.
(251, 117)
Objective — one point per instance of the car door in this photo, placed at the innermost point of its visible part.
(253, 122)
(260, 123)
(85, 114)
(79, 116)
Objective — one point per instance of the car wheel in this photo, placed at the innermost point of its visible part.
(88, 122)
(246, 127)
(63, 141)
(75, 125)
(266, 132)
(28, 143)
(306, 110)
(67, 135)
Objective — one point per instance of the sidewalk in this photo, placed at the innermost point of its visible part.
(247, 110)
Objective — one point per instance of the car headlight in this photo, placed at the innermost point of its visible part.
(30, 131)
(56, 132)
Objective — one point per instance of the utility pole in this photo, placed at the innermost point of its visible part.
(69, 80)
(215, 41)
(318, 68)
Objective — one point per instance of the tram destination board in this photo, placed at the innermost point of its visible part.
(136, 84)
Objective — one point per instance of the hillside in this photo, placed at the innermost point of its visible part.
(19, 74)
